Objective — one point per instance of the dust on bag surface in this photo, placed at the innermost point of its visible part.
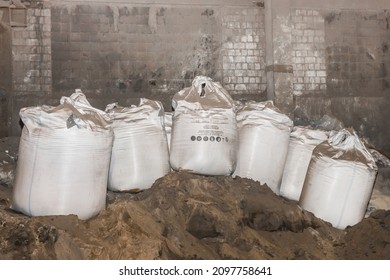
(302, 142)
(140, 151)
(339, 180)
(204, 129)
(264, 134)
(64, 156)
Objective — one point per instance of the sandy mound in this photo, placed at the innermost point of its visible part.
(187, 216)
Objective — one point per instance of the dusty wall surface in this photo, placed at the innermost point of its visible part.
(311, 57)
(120, 51)
(5, 70)
(339, 55)
(358, 61)
(123, 50)
(31, 62)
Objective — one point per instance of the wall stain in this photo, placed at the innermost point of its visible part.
(329, 18)
(385, 47)
(208, 13)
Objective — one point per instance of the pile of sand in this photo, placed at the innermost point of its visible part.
(187, 216)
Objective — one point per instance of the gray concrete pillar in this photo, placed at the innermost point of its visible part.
(279, 54)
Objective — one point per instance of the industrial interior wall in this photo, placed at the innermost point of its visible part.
(5, 70)
(124, 50)
(320, 57)
(339, 52)
(31, 62)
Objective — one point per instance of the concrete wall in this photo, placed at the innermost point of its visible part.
(311, 57)
(124, 50)
(358, 61)
(5, 71)
(338, 52)
(31, 53)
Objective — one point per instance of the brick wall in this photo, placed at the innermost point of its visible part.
(341, 60)
(122, 52)
(31, 62)
(244, 51)
(116, 52)
(358, 63)
(331, 60)
(5, 71)
(31, 48)
(308, 39)
(358, 52)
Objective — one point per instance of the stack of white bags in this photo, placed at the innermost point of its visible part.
(71, 154)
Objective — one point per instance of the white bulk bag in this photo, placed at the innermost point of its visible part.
(140, 150)
(168, 127)
(263, 143)
(339, 180)
(380, 197)
(64, 156)
(302, 142)
(204, 131)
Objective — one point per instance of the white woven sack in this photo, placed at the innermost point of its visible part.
(140, 150)
(64, 156)
(263, 143)
(339, 180)
(204, 131)
(302, 142)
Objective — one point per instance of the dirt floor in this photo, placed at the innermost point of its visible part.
(186, 216)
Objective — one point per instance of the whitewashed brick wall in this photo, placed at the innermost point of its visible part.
(243, 61)
(31, 53)
(308, 39)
